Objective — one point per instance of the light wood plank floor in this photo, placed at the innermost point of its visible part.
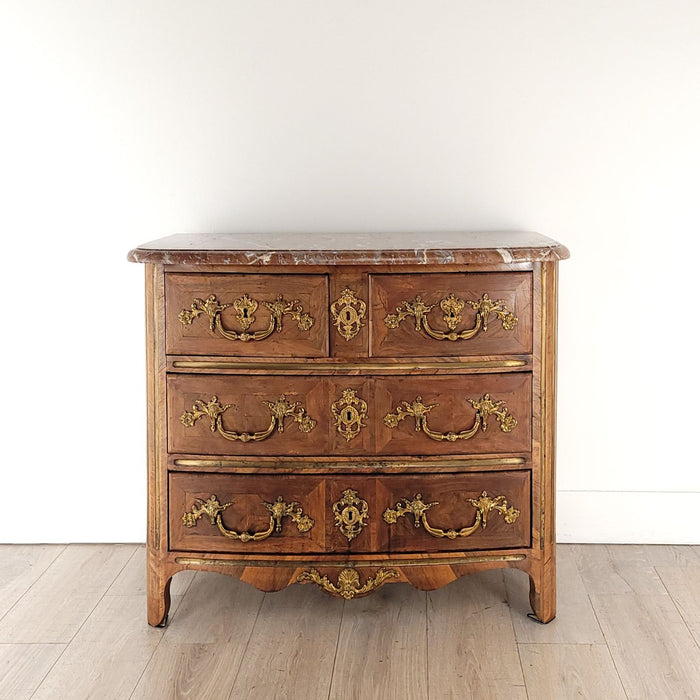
(72, 626)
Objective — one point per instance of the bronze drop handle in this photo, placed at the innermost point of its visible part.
(280, 410)
(484, 504)
(485, 407)
(278, 510)
(245, 308)
(452, 307)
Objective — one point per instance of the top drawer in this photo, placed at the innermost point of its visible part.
(455, 314)
(246, 315)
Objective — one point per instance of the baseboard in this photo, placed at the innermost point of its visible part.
(628, 517)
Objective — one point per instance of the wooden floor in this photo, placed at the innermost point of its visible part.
(72, 625)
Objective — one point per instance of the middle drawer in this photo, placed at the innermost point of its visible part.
(389, 415)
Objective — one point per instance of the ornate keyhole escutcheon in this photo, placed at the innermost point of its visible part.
(348, 313)
(351, 514)
(349, 412)
(245, 309)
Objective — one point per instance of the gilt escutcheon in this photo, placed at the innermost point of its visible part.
(349, 412)
(351, 514)
(348, 313)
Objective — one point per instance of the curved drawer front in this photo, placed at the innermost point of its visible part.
(457, 511)
(247, 315)
(345, 513)
(239, 415)
(462, 414)
(336, 513)
(224, 513)
(351, 416)
(456, 314)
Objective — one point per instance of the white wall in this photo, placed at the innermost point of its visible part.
(124, 121)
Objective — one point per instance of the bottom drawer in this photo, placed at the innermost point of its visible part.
(289, 514)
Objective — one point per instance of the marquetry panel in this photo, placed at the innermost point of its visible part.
(447, 408)
(246, 514)
(444, 298)
(252, 402)
(302, 329)
(501, 518)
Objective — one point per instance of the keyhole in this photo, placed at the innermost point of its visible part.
(351, 515)
(348, 417)
(245, 313)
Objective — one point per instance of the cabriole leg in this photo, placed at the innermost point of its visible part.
(158, 593)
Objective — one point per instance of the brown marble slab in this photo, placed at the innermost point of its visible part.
(403, 248)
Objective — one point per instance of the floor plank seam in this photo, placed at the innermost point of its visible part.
(427, 649)
(65, 645)
(335, 654)
(680, 612)
(515, 635)
(30, 644)
(558, 644)
(607, 644)
(247, 643)
(82, 624)
(135, 552)
(160, 641)
(45, 676)
(33, 583)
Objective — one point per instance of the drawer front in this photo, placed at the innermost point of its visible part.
(456, 314)
(239, 415)
(224, 513)
(247, 315)
(457, 512)
(292, 514)
(462, 414)
(350, 416)
(207, 414)
(236, 513)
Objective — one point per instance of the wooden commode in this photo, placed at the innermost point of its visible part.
(351, 410)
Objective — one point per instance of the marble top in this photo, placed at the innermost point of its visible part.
(409, 248)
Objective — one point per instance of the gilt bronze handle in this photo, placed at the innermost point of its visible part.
(452, 307)
(485, 407)
(278, 510)
(245, 308)
(484, 504)
(280, 410)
